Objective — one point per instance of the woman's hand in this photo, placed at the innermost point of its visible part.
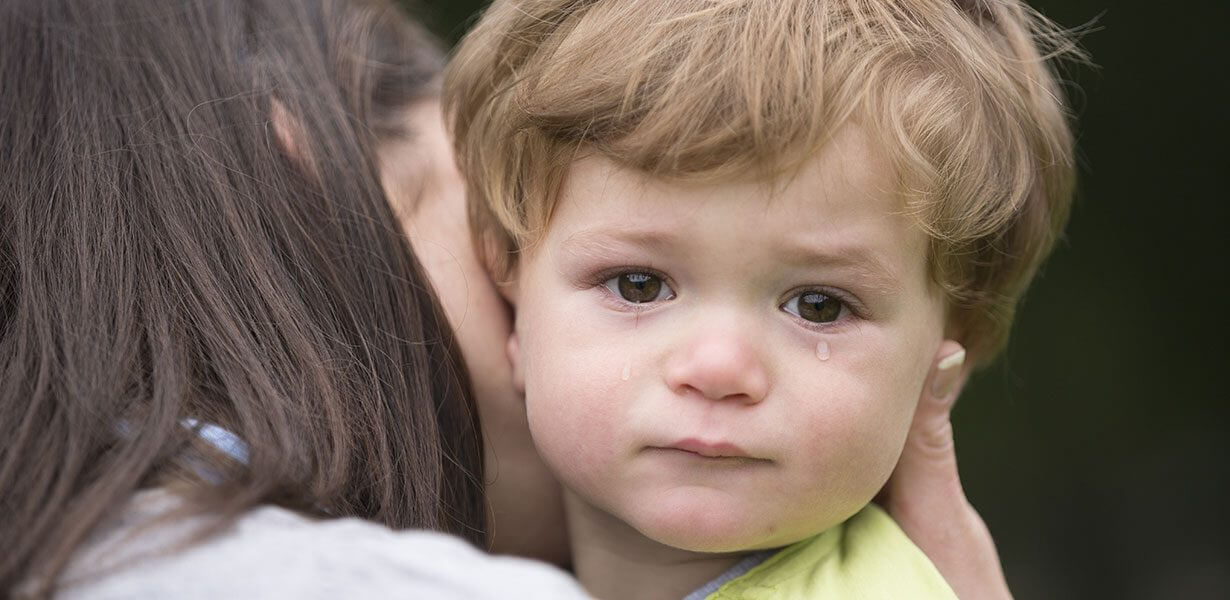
(924, 494)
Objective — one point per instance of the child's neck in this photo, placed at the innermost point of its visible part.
(613, 560)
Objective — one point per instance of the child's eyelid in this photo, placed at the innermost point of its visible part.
(602, 278)
(851, 301)
(846, 319)
(604, 275)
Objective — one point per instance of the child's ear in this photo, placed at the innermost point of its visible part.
(513, 349)
(508, 288)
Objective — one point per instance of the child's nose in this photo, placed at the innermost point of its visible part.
(719, 365)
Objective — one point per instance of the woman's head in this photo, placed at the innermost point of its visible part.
(193, 226)
(428, 196)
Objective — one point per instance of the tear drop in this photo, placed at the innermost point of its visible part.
(627, 371)
(822, 350)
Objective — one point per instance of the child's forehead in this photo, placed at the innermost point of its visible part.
(850, 170)
(840, 208)
(854, 145)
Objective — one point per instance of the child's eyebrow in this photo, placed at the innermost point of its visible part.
(858, 260)
(606, 241)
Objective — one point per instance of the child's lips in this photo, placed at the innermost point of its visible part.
(708, 448)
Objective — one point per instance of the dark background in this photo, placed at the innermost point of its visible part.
(1096, 448)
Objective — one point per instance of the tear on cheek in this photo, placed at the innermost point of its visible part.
(822, 350)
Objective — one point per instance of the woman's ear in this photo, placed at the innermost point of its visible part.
(291, 137)
(285, 129)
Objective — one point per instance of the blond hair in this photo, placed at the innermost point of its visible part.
(962, 95)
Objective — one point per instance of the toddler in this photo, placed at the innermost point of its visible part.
(740, 237)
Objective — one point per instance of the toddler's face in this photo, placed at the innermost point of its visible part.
(721, 366)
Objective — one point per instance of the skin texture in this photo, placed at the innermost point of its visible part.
(429, 197)
(721, 355)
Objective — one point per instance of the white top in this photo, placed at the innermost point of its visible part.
(271, 552)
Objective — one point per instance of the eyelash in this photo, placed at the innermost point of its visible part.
(599, 281)
(855, 308)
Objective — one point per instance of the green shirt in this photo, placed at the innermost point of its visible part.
(866, 557)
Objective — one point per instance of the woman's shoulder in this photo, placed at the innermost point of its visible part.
(271, 552)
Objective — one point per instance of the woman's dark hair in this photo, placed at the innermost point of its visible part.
(192, 227)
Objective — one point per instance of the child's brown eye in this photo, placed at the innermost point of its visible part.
(639, 288)
(814, 306)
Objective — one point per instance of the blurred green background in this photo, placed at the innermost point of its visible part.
(1096, 448)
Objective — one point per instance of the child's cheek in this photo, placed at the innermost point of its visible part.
(571, 400)
(858, 428)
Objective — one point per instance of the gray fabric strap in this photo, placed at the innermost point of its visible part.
(747, 563)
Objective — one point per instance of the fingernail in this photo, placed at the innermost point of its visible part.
(955, 359)
(946, 374)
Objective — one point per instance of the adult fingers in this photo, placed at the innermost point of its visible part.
(924, 494)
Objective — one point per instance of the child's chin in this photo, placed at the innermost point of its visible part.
(700, 540)
(709, 527)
